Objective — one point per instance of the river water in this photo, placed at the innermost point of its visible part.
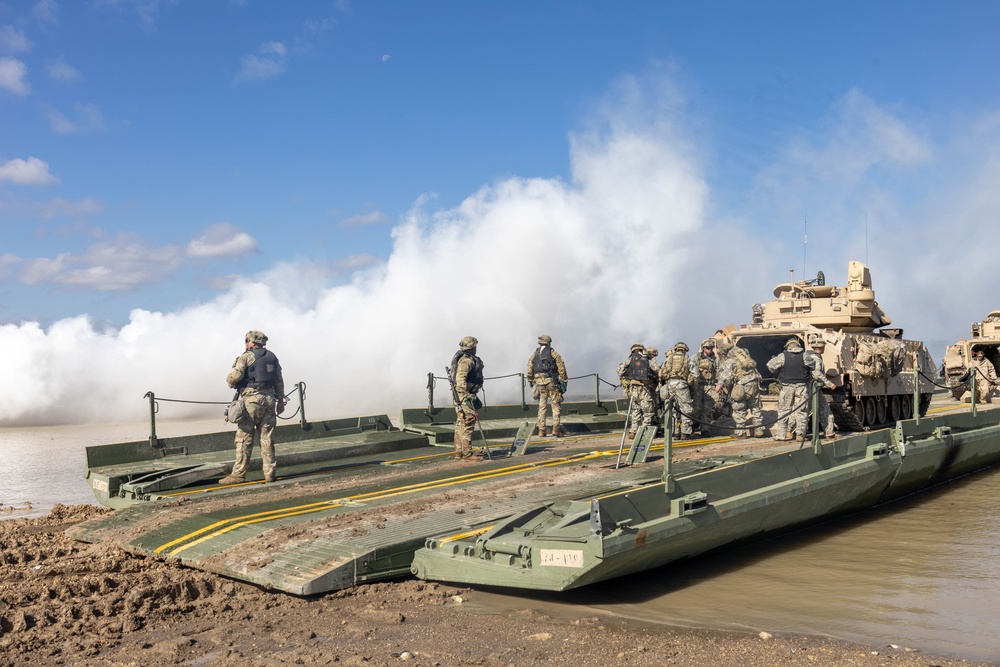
(922, 573)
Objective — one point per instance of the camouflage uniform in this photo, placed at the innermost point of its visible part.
(741, 380)
(256, 375)
(825, 419)
(546, 371)
(638, 383)
(654, 370)
(795, 371)
(704, 370)
(986, 377)
(675, 379)
(467, 377)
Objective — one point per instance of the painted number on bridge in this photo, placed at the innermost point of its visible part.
(562, 557)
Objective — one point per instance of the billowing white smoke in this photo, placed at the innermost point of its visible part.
(595, 264)
(625, 251)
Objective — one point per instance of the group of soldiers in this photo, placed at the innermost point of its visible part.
(720, 385)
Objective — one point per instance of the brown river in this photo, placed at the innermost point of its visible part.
(922, 573)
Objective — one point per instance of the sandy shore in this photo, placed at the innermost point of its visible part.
(64, 602)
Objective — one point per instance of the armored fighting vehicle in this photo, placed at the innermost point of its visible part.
(871, 366)
(985, 336)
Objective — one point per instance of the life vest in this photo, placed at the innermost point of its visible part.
(543, 363)
(474, 378)
(794, 370)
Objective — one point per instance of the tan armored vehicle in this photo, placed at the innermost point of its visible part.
(985, 336)
(871, 366)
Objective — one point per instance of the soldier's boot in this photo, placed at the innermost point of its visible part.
(231, 479)
(270, 478)
(760, 432)
(630, 436)
(739, 433)
(540, 430)
(830, 435)
(557, 431)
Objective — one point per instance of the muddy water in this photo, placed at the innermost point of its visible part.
(922, 573)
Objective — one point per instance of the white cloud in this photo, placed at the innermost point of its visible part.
(122, 263)
(63, 208)
(13, 40)
(269, 62)
(370, 218)
(222, 240)
(60, 70)
(13, 75)
(88, 119)
(46, 11)
(27, 172)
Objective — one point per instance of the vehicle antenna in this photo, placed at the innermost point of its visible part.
(805, 242)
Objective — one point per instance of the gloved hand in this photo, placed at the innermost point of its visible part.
(280, 407)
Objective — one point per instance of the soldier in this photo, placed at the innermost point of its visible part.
(739, 378)
(654, 370)
(825, 420)
(547, 376)
(704, 369)
(675, 375)
(794, 371)
(639, 384)
(256, 376)
(986, 375)
(466, 377)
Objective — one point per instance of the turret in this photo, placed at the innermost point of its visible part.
(850, 308)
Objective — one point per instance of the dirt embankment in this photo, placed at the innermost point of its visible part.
(67, 603)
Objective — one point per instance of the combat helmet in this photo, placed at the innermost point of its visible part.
(792, 342)
(681, 346)
(637, 347)
(817, 342)
(708, 344)
(255, 337)
(652, 352)
(724, 346)
(468, 343)
(545, 340)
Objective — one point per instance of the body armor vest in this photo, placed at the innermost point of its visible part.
(794, 370)
(544, 364)
(677, 366)
(743, 364)
(264, 370)
(638, 367)
(706, 369)
(474, 378)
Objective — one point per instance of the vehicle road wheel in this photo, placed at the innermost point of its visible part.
(859, 410)
(880, 409)
(895, 409)
(906, 404)
(870, 411)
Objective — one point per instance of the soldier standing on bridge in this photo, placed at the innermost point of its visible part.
(547, 376)
(986, 375)
(794, 371)
(466, 377)
(256, 376)
(825, 418)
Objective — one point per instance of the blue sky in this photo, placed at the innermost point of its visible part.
(350, 173)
